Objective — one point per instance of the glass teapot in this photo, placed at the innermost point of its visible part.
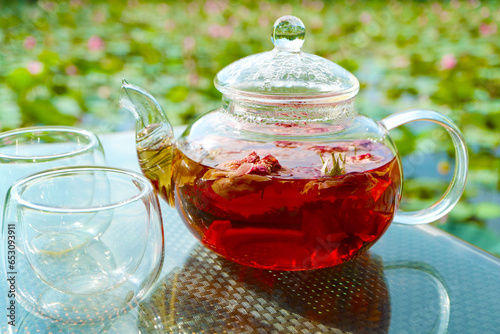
(285, 175)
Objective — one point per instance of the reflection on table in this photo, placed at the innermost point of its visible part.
(213, 295)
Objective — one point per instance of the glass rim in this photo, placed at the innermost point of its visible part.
(92, 138)
(15, 189)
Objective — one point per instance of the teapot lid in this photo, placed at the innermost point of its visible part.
(286, 74)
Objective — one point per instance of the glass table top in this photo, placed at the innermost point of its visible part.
(416, 279)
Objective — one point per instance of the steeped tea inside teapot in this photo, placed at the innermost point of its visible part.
(285, 204)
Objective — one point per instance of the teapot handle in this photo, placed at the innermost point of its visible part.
(457, 184)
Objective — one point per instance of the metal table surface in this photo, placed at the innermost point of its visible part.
(416, 279)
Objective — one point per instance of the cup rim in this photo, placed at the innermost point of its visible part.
(93, 141)
(15, 189)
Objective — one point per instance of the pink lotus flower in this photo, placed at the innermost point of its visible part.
(169, 25)
(71, 70)
(401, 62)
(263, 21)
(95, 43)
(189, 43)
(99, 17)
(448, 62)
(365, 17)
(193, 79)
(474, 3)
(314, 4)
(485, 12)
(444, 16)
(34, 67)
(487, 29)
(48, 5)
(216, 31)
(455, 4)
(215, 7)
(29, 42)
(104, 92)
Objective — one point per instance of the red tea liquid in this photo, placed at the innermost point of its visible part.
(294, 218)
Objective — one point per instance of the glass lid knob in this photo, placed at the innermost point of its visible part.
(286, 74)
(288, 34)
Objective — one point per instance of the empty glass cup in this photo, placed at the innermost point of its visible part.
(28, 150)
(88, 242)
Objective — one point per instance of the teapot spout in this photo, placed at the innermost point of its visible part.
(145, 108)
(154, 137)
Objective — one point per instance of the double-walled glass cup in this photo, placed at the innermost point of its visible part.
(29, 150)
(84, 244)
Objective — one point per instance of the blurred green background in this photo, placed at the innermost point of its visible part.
(62, 62)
